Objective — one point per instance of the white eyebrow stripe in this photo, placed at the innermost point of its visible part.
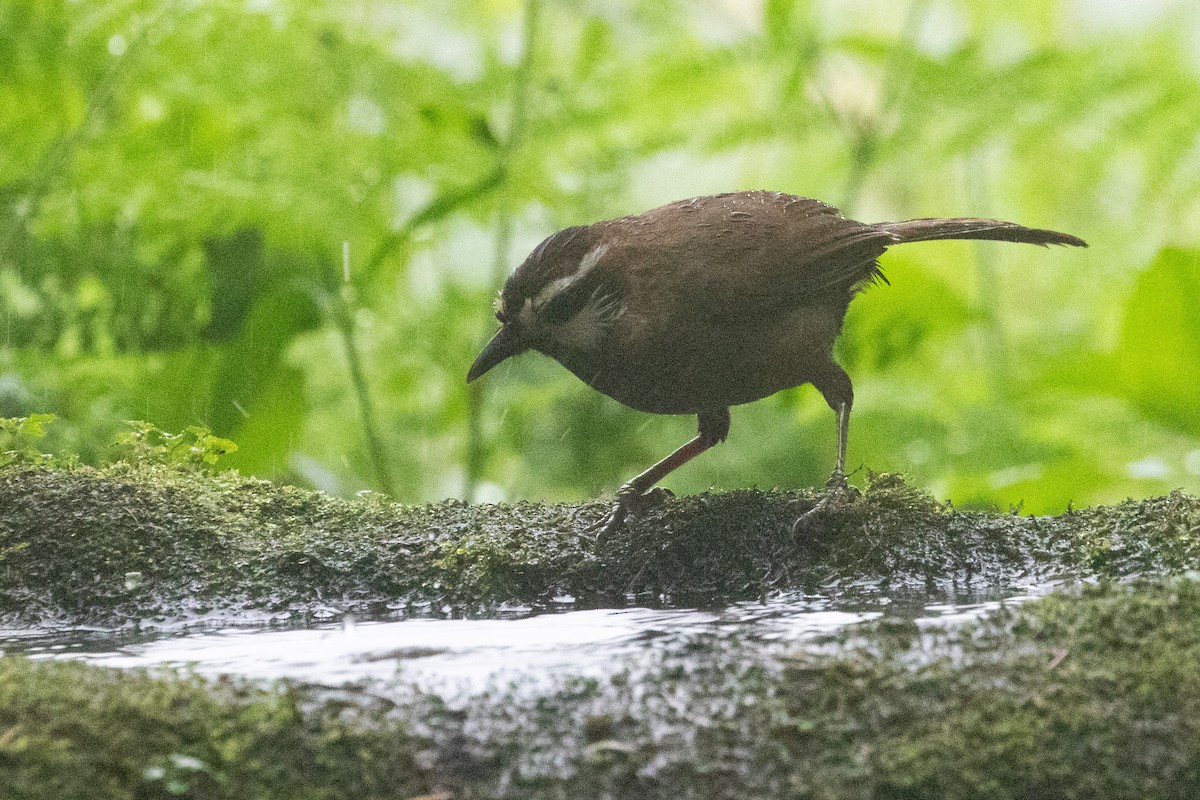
(591, 258)
(586, 264)
(551, 289)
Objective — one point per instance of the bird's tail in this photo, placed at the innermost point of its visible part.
(924, 230)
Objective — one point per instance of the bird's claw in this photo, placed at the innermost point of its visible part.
(837, 483)
(629, 501)
(837, 494)
(606, 527)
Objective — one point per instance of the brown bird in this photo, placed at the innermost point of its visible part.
(703, 304)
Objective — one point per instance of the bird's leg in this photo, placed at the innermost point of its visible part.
(714, 427)
(838, 478)
(835, 386)
(634, 490)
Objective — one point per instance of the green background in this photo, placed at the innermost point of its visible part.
(181, 182)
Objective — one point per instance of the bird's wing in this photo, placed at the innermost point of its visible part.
(732, 258)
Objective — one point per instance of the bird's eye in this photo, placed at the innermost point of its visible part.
(567, 302)
(558, 310)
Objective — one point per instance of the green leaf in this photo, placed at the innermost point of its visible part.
(1159, 353)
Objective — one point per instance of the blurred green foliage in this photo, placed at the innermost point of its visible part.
(285, 222)
(140, 443)
(194, 448)
(19, 440)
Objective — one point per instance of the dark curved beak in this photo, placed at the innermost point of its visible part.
(507, 342)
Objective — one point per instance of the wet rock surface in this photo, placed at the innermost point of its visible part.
(1091, 690)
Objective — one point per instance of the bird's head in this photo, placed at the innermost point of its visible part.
(560, 301)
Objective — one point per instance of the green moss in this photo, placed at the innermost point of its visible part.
(1093, 695)
(69, 538)
(72, 731)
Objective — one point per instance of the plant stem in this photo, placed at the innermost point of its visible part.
(995, 338)
(344, 315)
(518, 120)
(866, 135)
(57, 157)
(438, 208)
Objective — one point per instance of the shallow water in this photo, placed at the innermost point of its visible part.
(464, 656)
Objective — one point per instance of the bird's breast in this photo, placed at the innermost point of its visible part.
(702, 366)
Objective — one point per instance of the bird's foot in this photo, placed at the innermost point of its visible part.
(837, 495)
(629, 502)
